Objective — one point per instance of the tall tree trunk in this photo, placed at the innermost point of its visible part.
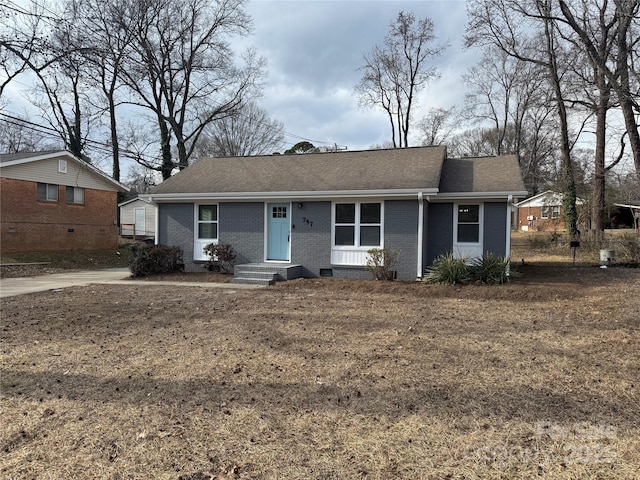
(568, 177)
(601, 130)
(165, 148)
(625, 97)
(115, 146)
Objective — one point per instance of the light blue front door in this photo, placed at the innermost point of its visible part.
(278, 231)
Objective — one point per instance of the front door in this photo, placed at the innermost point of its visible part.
(278, 231)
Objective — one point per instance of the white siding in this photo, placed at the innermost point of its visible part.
(127, 217)
(46, 171)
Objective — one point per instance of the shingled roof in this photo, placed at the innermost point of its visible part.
(416, 169)
(482, 175)
(412, 168)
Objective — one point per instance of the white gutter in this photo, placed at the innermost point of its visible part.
(448, 196)
(310, 195)
(508, 239)
(157, 224)
(420, 234)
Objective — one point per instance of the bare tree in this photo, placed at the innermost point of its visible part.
(249, 131)
(512, 98)
(48, 44)
(437, 126)
(602, 31)
(527, 31)
(182, 68)
(392, 75)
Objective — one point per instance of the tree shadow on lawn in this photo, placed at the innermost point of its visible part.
(503, 403)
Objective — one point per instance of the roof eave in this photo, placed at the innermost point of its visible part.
(448, 196)
(68, 155)
(298, 195)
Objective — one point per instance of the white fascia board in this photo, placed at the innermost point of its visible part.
(133, 200)
(63, 154)
(447, 197)
(303, 195)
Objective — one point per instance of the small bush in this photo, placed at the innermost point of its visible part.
(381, 263)
(449, 270)
(490, 269)
(221, 255)
(147, 259)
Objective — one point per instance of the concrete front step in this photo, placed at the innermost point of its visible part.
(253, 281)
(259, 273)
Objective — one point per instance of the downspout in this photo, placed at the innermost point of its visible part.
(420, 235)
(157, 222)
(508, 239)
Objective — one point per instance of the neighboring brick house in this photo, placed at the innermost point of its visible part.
(542, 212)
(53, 201)
(322, 212)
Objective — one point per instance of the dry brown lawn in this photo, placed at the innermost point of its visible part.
(326, 379)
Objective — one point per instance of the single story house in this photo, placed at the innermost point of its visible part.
(137, 218)
(542, 212)
(54, 201)
(322, 212)
(626, 215)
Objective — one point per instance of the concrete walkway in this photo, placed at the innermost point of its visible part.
(18, 286)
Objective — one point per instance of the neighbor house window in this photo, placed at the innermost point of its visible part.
(468, 224)
(75, 194)
(47, 192)
(208, 221)
(544, 213)
(358, 224)
(555, 212)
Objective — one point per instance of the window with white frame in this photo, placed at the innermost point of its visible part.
(555, 212)
(544, 213)
(468, 224)
(47, 192)
(208, 221)
(75, 195)
(358, 224)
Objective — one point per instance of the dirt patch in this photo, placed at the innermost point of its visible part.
(326, 379)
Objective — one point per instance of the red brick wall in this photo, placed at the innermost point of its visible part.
(539, 224)
(29, 225)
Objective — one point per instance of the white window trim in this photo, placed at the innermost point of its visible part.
(544, 212)
(75, 190)
(200, 243)
(354, 254)
(473, 249)
(48, 186)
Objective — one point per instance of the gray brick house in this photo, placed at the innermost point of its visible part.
(322, 212)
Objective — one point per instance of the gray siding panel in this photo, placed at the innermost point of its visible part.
(494, 239)
(311, 244)
(401, 235)
(439, 230)
(242, 226)
(176, 229)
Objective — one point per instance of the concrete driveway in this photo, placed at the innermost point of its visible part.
(18, 286)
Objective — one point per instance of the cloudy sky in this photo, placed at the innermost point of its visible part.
(314, 49)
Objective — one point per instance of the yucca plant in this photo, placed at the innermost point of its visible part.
(449, 270)
(490, 269)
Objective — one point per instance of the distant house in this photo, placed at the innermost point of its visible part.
(137, 218)
(542, 212)
(320, 213)
(54, 201)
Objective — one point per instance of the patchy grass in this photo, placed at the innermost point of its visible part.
(326, 379)
(59, 262)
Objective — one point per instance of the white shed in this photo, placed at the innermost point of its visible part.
(137, 218)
